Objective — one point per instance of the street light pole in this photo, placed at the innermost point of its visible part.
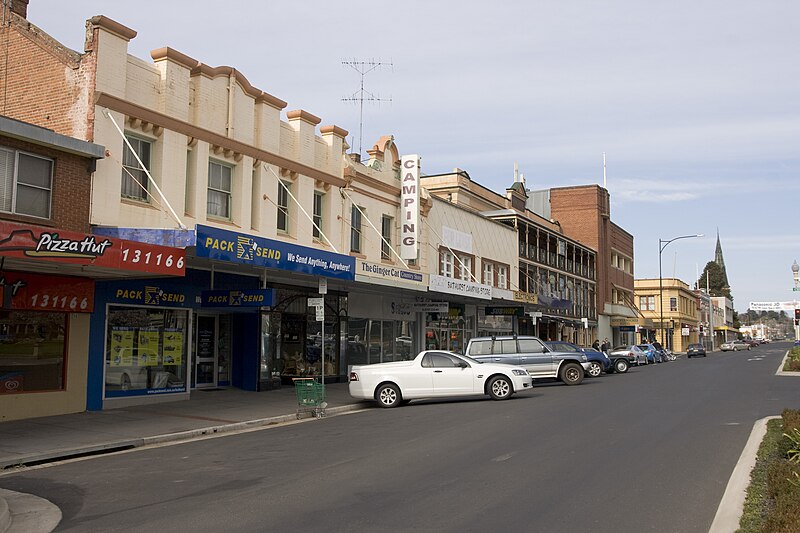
(661, 245)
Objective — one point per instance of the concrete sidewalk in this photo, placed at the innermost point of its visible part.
(40, 440)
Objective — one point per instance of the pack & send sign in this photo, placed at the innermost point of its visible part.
(224, 245)
(238, 298)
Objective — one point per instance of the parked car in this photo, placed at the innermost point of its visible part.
(622, 359)
(751, 342)
(598, 361)
(695, 350)
(652, 353)
(435, 374)
(734, 346)
(530, 353)
(637, 355)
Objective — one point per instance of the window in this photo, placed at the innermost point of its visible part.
(483, 347)
(32, 358)
(673, 304)
(530, 346)
(283, 206)
(502, 276)
(318, 199)
(26, 183)
(465, 267)
(219, 190)
(445, 263)
(507, 346)
(355, 229)
(134, 179)
(146, 349)
(647, 303)
(488, 273)
(386, 233)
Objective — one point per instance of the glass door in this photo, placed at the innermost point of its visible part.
(205, 351)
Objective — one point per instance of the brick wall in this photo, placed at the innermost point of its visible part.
(585, 215)
(71, 188)
(43, 82)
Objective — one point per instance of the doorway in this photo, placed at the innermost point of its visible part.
(212, 351)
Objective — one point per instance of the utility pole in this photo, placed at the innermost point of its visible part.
(361, 95)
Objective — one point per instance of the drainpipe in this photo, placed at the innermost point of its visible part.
(231, 81)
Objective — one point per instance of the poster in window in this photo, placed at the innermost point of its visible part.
(173, 346)
(148, 347)
(121, 346)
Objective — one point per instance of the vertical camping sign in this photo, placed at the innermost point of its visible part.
(409, 199)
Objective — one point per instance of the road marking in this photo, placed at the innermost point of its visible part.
(504, 457)
(732, 424)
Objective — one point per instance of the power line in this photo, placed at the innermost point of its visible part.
(362, 95)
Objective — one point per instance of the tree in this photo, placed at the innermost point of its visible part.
(715, 280)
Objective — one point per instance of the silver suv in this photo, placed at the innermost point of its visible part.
(530, 353)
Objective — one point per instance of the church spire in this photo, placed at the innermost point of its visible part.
(718, 259)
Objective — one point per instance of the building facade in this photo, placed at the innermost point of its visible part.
(584, 213)
(679, 309)
(556, 284)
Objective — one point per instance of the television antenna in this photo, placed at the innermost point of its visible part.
(362, 95)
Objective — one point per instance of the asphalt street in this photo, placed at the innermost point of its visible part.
(651, 450)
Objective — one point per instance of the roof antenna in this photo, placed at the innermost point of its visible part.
(362, 95)
(605, 186)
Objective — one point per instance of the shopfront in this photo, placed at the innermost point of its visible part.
(45, 324)
(39, 314)
(161, 338)
(291, 342)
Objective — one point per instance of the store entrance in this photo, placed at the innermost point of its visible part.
(212, 351)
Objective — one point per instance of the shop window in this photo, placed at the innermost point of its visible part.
(32, 351)
(135, 182)
(386, 232)
(219, 190)
(26, 183)
(283, 206)
(316, 231)
(146, 350)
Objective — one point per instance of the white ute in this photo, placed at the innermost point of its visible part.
(436, 374)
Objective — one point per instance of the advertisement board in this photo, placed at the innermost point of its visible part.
(224, 245)
(409, 206)
(59, 246)
(37, 292)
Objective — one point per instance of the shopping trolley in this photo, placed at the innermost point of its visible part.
(310, 397)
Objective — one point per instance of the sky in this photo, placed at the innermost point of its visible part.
(696, 104)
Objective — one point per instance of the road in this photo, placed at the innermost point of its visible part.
(651, 450)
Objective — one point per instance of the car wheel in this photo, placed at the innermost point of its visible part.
(621, 366)
(688, 356)
(595, 369)
(388, 395)
(500, 388)
(571, 374)
(125, 382)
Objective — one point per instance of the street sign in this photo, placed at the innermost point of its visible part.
(316, 302)
(320, 314)
(323, 285)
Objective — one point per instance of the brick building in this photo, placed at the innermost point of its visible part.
(584, 214)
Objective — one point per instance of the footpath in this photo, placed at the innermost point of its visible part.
(42, 440)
